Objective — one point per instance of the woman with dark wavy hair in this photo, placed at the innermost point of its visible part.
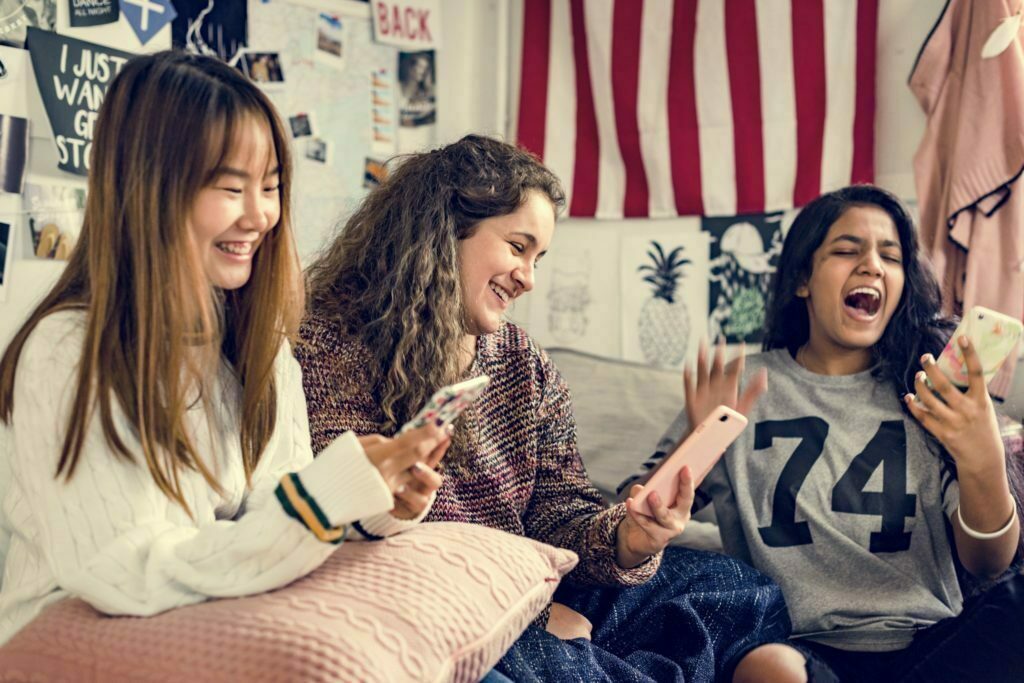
(410, 297)
(857, 487)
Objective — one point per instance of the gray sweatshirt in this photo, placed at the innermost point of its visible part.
(833, 492)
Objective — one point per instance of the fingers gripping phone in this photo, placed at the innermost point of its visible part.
(993, 336)
(701, 450)
(447, 403)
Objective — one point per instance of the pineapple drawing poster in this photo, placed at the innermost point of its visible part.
(575, 299)
(744, 254)
(664, 294)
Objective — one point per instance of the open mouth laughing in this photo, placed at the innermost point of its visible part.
(863, 303)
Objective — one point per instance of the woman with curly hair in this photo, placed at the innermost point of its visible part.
(411, 297)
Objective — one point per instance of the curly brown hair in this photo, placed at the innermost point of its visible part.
(391, 277)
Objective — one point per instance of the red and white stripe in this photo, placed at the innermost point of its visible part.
(661, 108)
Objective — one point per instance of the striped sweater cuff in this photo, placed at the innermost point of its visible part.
(299, 505)
(340, 483)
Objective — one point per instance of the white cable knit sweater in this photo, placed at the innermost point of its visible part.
(112, 538)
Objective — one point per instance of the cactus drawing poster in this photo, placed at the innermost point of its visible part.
(575, 299)
(664, 295)
(744, 254)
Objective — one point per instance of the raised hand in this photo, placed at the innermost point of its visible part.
(965, 422)
(708, 386)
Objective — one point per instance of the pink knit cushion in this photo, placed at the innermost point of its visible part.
(439, 603)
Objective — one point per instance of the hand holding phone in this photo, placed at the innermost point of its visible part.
(993, 335)
(701, 450)
(447, 403)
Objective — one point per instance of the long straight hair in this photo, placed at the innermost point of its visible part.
(391, 277)
(156, 329)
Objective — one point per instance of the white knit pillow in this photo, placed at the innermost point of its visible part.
(439, 603)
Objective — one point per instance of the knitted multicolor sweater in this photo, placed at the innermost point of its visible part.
(520, 470)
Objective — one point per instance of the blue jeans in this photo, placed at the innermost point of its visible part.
(694, 621)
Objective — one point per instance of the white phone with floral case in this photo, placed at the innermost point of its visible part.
(993, 335)
(447, 403)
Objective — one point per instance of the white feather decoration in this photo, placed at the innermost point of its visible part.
(1001, 37)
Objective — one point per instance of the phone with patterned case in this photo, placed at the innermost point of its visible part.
(993, 335)
(447, 403)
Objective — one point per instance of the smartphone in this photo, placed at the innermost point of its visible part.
(447, 403)
(701, 450)
(993, 335)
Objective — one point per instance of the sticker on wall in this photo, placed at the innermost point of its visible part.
(6, 257)
(17, 16)
(55, 213)
(330, 40)
(263, 68)
(14, 91)
(148, 17)
(211, 28)
(417, 100)
(382, 111)
(408, 24)
(664, 295)
(73, 77)
(93, 12)
(301, 125)
(13, 153)
(374, 172)
(744, 255)
(575, 299)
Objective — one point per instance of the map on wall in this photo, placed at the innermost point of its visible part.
(324, 96)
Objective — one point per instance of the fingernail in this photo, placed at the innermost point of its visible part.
(400, 490)
(419, 467)
(449, 429)
(921, 376)
(927, 359)
(964, 341)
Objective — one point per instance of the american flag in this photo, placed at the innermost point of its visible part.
(662, 108)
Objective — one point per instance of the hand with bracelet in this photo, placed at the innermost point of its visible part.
(986, 526)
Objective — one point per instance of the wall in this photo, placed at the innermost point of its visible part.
(473, 88)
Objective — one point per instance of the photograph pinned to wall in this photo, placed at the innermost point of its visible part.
(148, 17)
(382, 111)
(72, 89)
(6, 256)
(94, 12)
(55, 213)
(417, 104)
(263, 68)
(374, 172)
(664, 293)
(302, 125)
(215, 28)
(744, 255)
(330, 40)
(14, 141)
(575, 299)
(16, 16)
(318, 150)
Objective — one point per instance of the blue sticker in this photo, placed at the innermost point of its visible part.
(147, 17)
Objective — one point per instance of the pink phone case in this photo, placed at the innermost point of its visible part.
(447, 403)
(700, 451)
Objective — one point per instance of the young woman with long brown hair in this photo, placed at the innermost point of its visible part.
(160, 445)
(411, 296)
